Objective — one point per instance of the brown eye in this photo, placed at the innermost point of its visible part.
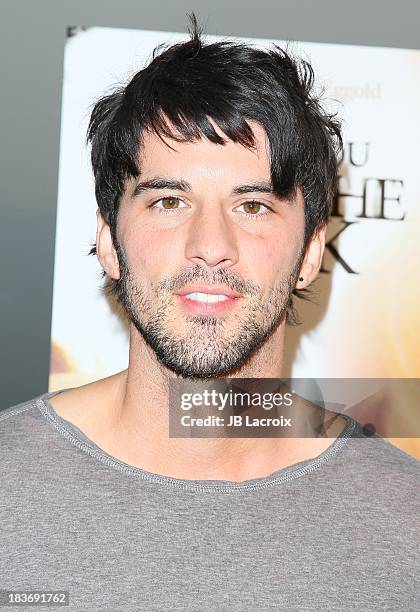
(254, 209)
(251, 207)
(169, 203)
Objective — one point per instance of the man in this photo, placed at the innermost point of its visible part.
(215, 169)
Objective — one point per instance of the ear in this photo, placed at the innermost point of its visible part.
(105, 249)
(313, 258)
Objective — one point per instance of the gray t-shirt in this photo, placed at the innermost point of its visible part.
(337, 532)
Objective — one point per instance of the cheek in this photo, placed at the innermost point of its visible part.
(148, 251)
(271, 255)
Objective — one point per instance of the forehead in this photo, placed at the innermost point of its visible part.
(203, 157)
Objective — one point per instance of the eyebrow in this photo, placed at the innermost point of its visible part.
(161, 182)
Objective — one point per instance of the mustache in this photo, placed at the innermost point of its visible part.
(221, 276)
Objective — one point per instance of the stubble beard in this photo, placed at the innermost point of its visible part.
(209, 346)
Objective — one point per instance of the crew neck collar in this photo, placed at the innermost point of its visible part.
(74, 435)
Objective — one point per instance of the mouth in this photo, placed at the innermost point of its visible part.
(208, 300)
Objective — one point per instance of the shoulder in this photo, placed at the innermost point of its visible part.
(381, 456)
(375, 471)
(19, 416)
(20, 419)
(24, 434)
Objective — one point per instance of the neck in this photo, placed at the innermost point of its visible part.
(137, 421)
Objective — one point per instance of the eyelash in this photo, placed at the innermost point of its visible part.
(166, 211)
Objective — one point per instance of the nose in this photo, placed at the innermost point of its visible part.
(211, 239)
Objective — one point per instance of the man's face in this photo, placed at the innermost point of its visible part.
(215, 230)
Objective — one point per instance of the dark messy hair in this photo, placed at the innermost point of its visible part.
(229, 82)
